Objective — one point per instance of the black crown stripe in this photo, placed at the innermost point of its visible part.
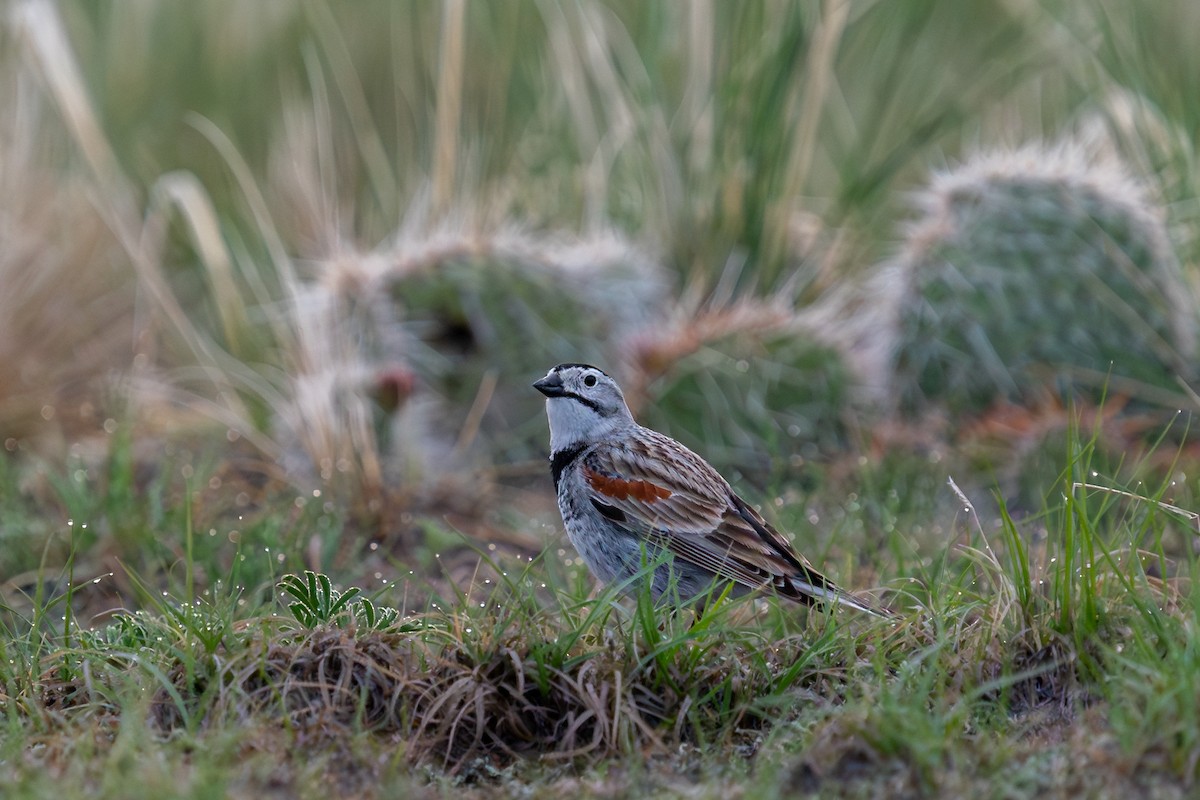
(561, 367)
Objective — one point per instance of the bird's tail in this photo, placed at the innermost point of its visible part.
(829, 593)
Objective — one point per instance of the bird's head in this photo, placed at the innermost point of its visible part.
(584, 405)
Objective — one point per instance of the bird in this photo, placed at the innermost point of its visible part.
(630, 495)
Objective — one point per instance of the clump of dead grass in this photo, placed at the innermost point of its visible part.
(455, 697)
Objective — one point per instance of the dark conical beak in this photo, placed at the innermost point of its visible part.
(551, 385)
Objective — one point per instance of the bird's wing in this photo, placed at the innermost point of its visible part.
(669, 496)
(657, 489)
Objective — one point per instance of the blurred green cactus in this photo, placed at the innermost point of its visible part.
(485, 316)
(1038, 269)
(748, 387)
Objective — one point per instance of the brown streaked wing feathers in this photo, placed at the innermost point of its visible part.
(676, 500)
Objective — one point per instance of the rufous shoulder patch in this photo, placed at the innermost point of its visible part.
(621, 489)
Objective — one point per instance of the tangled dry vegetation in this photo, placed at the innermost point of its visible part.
(461, 688)
(457, 699)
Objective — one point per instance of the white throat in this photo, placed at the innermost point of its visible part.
(572, 423)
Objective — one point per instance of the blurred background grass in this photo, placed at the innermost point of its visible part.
(329, 245)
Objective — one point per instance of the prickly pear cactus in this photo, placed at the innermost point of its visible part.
(747, 387)
(1041, 269)
(485, 316)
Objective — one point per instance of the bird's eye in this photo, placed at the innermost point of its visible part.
(589, 380)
